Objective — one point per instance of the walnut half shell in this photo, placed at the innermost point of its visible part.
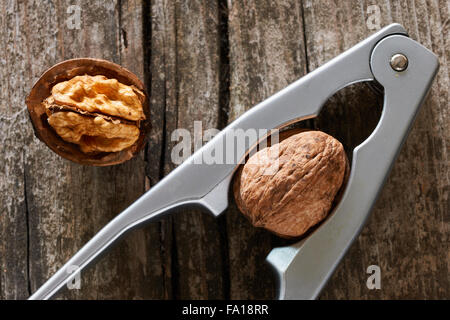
(90, 111)
(298, 192)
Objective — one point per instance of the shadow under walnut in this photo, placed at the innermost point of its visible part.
(290, 194)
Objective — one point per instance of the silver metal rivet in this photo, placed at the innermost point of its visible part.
(399, 62)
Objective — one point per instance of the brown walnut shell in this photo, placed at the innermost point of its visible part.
(67, 70)
(298, 193)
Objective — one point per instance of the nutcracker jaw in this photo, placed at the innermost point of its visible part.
(406, 71)
(303, 268)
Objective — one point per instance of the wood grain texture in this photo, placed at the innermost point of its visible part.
(210, 61)
(13, 218)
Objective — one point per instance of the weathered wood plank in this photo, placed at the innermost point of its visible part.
(185, 79)
(266, 54)
(67, 203)
(13, 218)
(407, 232)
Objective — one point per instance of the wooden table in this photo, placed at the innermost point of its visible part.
(210, 61)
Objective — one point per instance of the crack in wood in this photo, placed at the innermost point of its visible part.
(224, 109)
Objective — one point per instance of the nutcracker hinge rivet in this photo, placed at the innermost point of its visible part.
(399, 62)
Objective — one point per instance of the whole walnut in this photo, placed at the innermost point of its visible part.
(289, 194)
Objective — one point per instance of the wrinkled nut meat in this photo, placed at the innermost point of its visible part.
(96, 113)
(90, 111)
(290, 196)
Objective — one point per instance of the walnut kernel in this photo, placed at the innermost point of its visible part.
(96, 113)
